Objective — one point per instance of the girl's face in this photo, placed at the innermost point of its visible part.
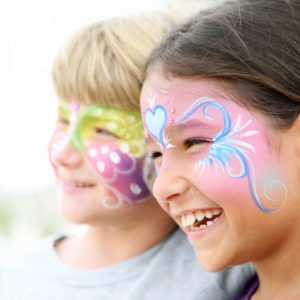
(224, 174)
(98, 154)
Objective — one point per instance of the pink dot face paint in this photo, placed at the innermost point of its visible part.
(215, 139)
(121, 173)
(61, 135)
(112, 142)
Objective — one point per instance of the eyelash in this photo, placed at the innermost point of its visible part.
(62, 121)
(191, 142)
(155, 155)
(102, 131)
(188, 143)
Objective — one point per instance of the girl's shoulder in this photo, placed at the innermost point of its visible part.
(251, 288)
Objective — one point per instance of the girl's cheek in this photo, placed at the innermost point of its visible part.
(221, 188)
(221, 181)
(198, 153)
(252, 181)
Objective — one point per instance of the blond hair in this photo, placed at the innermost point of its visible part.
(104, 62)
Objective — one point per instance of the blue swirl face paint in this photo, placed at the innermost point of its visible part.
(234, 144)
(228, 145)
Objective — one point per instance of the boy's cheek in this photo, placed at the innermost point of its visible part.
(51, 146)
(57, 141)
(120, 172)
(104, 158)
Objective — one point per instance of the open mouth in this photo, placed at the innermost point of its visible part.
(201, 219)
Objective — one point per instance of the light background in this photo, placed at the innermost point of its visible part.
(31, 33)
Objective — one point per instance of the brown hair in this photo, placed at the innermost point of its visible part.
(104, 62)
(253, 46)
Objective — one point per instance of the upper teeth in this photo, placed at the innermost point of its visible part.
(200, 215)
(190, 218)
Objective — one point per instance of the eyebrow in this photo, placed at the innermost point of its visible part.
(194, 123)
(184, 126)
(149, 140)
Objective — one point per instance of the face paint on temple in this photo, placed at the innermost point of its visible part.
(62, 133)
(218, 139)
(112, 142)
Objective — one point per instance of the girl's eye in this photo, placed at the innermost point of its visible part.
(156, 155)
(196, 141)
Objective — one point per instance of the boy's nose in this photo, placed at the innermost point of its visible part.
(67, 156)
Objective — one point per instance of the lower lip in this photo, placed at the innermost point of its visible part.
(74, 189)
(196, 234)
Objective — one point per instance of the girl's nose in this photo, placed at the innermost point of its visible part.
(169, 184)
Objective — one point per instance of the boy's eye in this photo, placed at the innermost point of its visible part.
(63, 121)
(102, 131)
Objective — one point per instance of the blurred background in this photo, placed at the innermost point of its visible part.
(31, 33)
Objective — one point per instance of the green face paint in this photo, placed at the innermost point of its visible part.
(63, 111)
(112, 141)
(126, 125)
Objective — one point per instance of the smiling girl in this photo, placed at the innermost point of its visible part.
(221, 111)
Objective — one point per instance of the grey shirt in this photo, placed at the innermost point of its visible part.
(169, 270)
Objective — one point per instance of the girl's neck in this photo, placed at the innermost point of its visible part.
(279, 271)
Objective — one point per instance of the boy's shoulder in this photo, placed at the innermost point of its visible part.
(39, 257)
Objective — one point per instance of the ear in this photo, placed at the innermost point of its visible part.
(296, 124)
(294, 132)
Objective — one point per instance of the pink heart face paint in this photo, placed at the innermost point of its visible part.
(217, 139)
(112, 142)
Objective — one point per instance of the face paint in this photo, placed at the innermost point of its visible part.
(233, 141)
(112, 141)
(122, 174)
(62, 133)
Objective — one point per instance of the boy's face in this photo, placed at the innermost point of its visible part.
(99, 152)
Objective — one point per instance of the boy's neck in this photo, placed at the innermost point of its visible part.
(103, 246)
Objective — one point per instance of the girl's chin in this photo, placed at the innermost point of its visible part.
(211, 265)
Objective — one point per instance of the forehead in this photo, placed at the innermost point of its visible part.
(159, 90)
(176, 96)
(203, 106)
(98, 111)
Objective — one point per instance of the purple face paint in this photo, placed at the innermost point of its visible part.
(122, 174)
(117, 156)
